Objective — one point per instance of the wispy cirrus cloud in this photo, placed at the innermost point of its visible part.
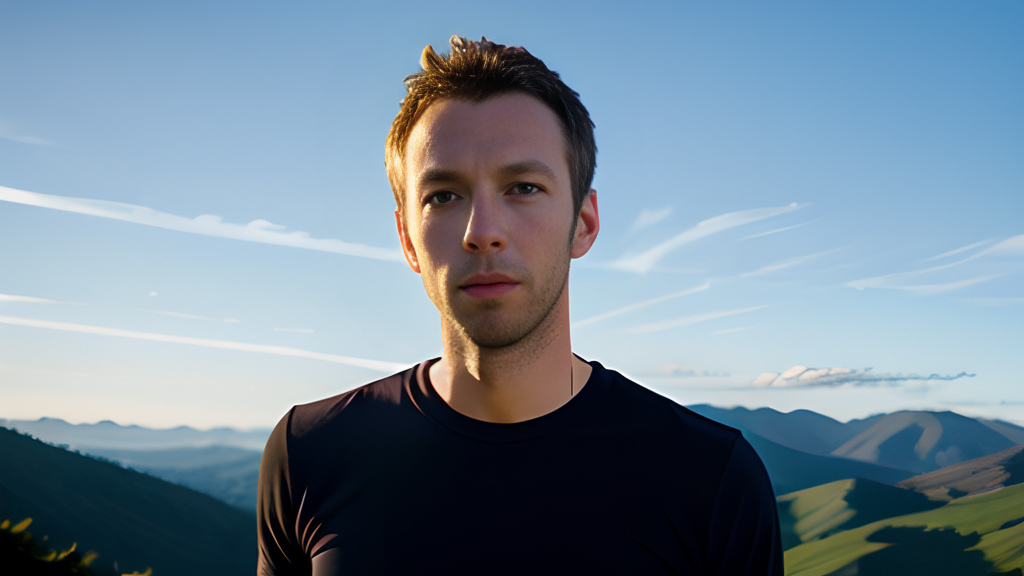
(643, 263)
(649, 218)
(804, 377)
(909, 280)
(687, 320)
(760, 271)
(776, 231)
(639, 305)
(378, 365)
(260, 230)
(958, 250)
(782, 265)
(33, 300)
(7, 133)
(891, 283)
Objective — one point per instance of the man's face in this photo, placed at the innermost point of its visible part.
(488, 214)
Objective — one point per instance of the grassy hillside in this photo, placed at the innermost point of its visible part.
(971, 535)
(134, 519)
(818, 512)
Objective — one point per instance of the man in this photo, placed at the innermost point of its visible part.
(507, 455)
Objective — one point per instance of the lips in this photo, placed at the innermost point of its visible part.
(488, 285)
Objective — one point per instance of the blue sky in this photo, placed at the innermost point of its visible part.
(196, 227)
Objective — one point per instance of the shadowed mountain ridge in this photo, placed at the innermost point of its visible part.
(126, 516)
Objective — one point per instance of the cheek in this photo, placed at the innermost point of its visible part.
(547, 229)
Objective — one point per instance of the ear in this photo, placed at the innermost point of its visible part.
(407, 247)
(588, 223)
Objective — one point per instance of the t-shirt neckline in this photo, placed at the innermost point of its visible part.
(565, 416)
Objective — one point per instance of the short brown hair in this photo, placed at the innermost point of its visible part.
(477, 71)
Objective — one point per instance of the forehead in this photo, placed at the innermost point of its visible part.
(463, 135)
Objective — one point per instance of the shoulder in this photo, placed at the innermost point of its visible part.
(307, 421)
(664, 413)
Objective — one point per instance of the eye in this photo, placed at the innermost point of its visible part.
(525, 189)
(442, 197)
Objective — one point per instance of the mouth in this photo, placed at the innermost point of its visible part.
(485, 286)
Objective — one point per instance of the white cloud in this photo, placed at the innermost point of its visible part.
(262, 224)
(297, 330)
(906, 280)
(645, 261)
(222, 344)
(687, 320)
(782, 265)
(802, 376)
(648, 218)
(776, 231)
(958, 250)
(639, 305)
(1012, 245)
(153, 294)
(686, 371)
(7, 134)
(207, 224)
(32, 300)
(886, 282)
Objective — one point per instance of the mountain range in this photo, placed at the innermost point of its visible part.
(902, 493)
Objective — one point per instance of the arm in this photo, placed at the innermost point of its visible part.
(279, 549)
(745, 536)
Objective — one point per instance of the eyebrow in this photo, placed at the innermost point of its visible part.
(527, 167)
(436, 175)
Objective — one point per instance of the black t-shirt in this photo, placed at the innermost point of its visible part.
(389, 479)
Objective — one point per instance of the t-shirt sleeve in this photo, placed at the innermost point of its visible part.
(279, 549)
(745, 536)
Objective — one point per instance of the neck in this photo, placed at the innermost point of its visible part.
(514, 383)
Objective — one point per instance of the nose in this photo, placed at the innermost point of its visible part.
(485, 230)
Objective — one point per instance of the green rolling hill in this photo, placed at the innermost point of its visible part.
(130, 518)
(972, 535)
(815, 513)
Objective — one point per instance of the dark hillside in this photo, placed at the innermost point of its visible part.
(134, 519)
(792, 470)
(802, 430)
(225, 472)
